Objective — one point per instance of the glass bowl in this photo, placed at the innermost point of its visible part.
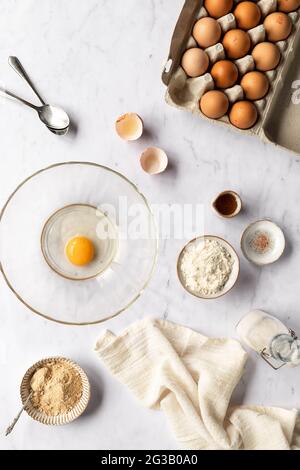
(45, 290)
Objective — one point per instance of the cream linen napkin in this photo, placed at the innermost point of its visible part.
(191, 378)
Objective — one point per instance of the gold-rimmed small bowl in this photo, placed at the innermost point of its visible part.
(233, 276)
(63, 418)
(238, 201)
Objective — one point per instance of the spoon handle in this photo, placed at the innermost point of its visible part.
(18, 67)
(11, 427)
(11, 95)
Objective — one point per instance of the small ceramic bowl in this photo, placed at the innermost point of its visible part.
(154, 161)
(267, 233)
(233, 276)
(130, 127)
(237, 200)
(65, 418)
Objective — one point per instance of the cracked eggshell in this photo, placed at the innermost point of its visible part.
(154, 160)
(129, 127)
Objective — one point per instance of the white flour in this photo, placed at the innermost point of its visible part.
(206, 267)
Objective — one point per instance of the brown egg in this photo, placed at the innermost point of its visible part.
(236, 43)
(207, 32)
(195, 62)
(225, 73)
(247, 15)
(266, 56)
(255, 85)
(218, 8)
(214, 104)
(243, 114)
(288, 5)
(278, 26)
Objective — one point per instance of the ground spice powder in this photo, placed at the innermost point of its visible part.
(261, 242)
(56, 387)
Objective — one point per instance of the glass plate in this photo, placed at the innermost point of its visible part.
(25, 269)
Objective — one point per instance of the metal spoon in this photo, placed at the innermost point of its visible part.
(11, 427)
(59, 131)
(56, 119)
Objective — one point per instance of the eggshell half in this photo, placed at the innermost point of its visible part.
(154, 160)
(129, 126)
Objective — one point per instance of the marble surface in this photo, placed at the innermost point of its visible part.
(98, 59)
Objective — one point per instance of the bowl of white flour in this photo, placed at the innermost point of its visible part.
(208, 267)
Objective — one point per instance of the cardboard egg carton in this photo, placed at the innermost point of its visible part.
(279, 111)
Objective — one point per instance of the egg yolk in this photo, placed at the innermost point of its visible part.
(80, 251)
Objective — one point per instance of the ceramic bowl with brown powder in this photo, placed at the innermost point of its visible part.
(59, 389)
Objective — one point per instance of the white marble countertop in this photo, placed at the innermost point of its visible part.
(98, 59)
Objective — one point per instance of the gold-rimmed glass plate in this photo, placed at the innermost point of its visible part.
(35, 281)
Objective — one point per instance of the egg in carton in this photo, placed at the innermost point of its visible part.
(185, 92)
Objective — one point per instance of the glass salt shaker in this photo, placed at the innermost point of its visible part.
(270, 338)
